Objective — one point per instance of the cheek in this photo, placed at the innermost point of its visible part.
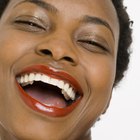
(14, 45)
(103, 74)
(11, 48)
(100, 74)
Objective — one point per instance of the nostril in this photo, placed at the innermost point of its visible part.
(69, 59)
(46, 52)
(57, 55)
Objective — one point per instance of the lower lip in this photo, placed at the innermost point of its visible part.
(46, 110)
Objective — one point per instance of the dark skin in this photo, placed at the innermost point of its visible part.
(64, 35)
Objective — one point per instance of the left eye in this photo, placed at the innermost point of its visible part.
(92, 45)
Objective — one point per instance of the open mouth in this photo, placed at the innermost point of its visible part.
(49, 92)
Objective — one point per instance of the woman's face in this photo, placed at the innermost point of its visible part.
(57, 66)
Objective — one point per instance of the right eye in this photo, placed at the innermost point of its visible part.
(31, 24)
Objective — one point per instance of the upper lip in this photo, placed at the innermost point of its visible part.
(55, 74)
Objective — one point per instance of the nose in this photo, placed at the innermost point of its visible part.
(58, 49)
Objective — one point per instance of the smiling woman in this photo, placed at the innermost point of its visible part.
(58, 66)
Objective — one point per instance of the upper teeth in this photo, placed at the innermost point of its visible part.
(66, 88)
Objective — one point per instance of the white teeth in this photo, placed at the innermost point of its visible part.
(65, 94)
(31, 82)
(25, 84)
(45, 79)
(67, 90)
(26, 79)
(71, 93)
(54, 82)
(66, 87)
(61, 84)
(37, 77)
(21, 79)
(31, 77)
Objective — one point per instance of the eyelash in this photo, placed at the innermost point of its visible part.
(94, 43)
(30, 25)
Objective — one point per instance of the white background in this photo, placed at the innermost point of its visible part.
(122, 120)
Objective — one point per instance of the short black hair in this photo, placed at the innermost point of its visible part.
(125, 38)
(3, 5)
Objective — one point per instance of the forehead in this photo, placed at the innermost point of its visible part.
(99, 7)
(103, 8)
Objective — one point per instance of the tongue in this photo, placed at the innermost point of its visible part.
(49, 97)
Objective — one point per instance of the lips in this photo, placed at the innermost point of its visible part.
(45, 90)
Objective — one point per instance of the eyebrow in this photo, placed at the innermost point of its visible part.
(86, 19)
(98, 21)
(41, 4)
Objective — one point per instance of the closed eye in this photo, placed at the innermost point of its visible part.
(93, 43)
(30, 24)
